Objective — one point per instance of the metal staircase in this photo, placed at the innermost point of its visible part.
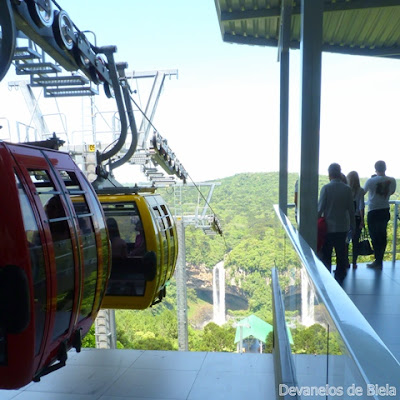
(30, 60)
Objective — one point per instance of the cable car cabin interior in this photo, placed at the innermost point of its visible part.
(55, 261)
(144, 249)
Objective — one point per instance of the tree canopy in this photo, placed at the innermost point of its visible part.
(253, 243)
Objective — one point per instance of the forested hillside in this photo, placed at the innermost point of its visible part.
(252, 244)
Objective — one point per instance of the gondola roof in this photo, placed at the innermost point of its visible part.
(354, 27)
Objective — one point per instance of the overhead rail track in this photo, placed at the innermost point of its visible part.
(54, 45)
(43, 42)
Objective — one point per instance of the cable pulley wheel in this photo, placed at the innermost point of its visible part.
(63, 30)
(42, 14)
(8, 37)
(95, 75)
(108, 90)
(80, 58)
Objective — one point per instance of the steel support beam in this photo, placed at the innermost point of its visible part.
(284, 41)
(389, 52)
(311, 44)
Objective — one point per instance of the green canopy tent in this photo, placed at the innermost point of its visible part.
(251, 331)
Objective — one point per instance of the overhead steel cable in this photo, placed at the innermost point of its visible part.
(216, 220)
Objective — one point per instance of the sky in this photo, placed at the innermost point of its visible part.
(221, 115)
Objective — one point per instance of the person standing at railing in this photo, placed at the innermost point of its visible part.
(379, 188)
(336, 206)
(353, 181)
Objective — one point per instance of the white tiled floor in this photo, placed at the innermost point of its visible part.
(157, 375)
(162, 375)
(376, 293)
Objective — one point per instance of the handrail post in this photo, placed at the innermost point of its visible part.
(285, 373)
(394, 240)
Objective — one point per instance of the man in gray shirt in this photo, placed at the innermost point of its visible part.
(379, 188)
(337, 207)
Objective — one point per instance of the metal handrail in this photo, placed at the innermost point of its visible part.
(372, 359)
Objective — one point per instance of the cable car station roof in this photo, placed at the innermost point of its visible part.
(358, 27)
(352, 27)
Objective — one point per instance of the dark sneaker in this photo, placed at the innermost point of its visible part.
(374, 265)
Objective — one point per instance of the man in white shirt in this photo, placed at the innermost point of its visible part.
(379, 188)
(336, 205)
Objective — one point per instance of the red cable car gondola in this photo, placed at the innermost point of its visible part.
(55, 261)
(55, 247)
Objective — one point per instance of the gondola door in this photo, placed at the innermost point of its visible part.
(17, 341)
(55, 261)
(61, 245)
(40, 267)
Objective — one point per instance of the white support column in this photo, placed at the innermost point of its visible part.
(105, 331)
(181, 289)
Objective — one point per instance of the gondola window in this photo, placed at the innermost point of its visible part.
(37, 264)
(63, 249)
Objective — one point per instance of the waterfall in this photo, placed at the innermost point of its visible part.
(307, 301)
(219, 293)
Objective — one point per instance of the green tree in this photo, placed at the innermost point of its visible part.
(253, 243)
(217, 338)
(310, 340)
(269, 343)
(90, 340)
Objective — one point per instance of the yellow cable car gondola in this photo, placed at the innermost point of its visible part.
(144, 248)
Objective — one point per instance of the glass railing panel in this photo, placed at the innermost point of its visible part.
(337, 355)
(392, 231)
(322, 363)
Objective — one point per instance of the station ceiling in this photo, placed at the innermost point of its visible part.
(358, 27)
